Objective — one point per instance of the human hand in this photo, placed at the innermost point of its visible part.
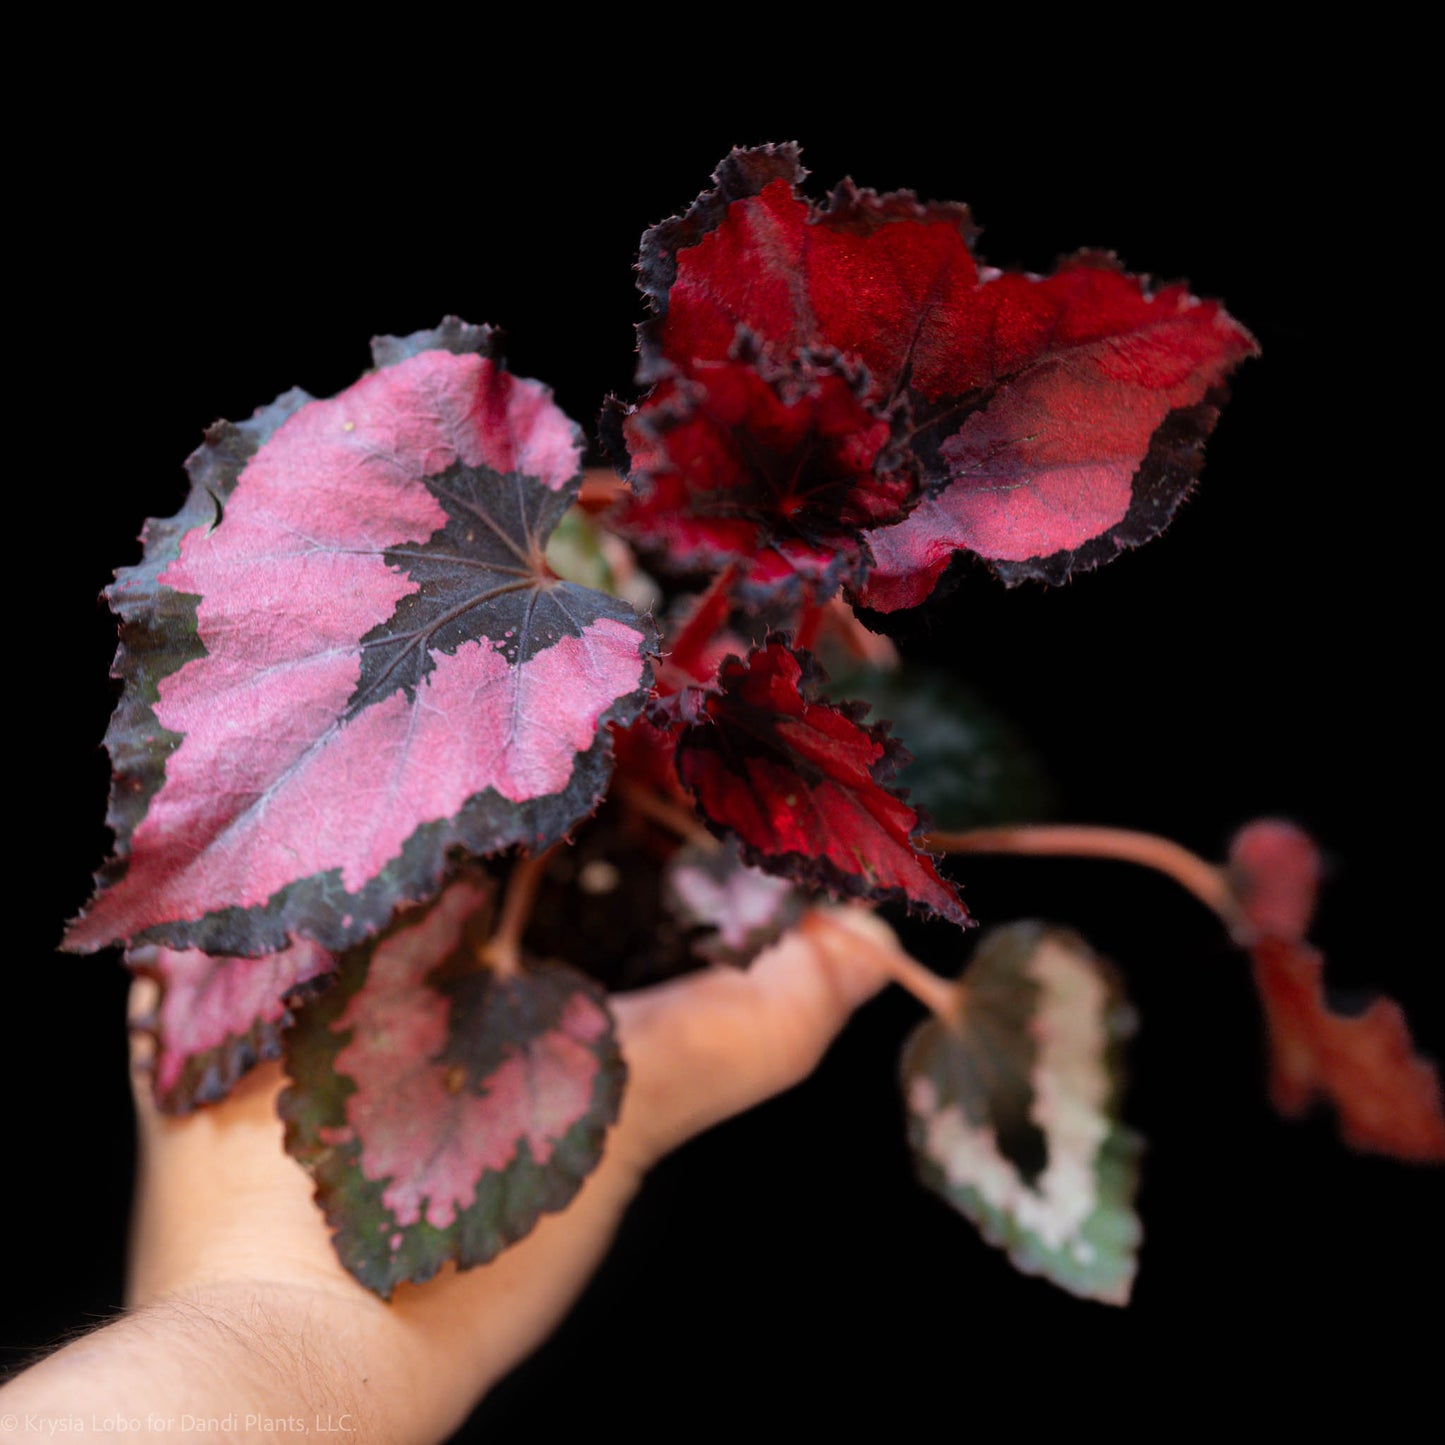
(239, 1306)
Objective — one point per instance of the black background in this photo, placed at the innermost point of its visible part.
(204, 242)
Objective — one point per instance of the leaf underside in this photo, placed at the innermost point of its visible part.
(443, 1108)
(1012, 1111)
(347, 658)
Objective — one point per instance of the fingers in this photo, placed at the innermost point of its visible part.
(708, 1046)
(217, 1196)
(220, 1202)
(216, 1190)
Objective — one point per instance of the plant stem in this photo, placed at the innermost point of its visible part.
(503, 951)
(1208, 882)
(672, 817)
(601, 488)
(707, 615)
(872, 649)
(809, 620)
(937, 995)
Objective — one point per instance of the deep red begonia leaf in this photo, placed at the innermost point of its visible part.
(743, 174)
(347, 658)
(802, 785)
(443, 1107)
(218, 1017)
(776, 469)
(1081, 437)
(1388, 1099)
(864, 274)
(1057, 420)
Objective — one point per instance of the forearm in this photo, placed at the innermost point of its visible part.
(230, 1362)
(244, 1325)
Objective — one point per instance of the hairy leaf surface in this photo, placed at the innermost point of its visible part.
(350, 658)
(1055, 420)
(441, 1107)
(1013, 1110)
(1387, 1098)
(218, 1017)
(802, 785)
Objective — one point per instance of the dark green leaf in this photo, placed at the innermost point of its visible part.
(969, 767)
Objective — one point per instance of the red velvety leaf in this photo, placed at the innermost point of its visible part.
(1388, 1100)
(1058, 419)
(219, 1017)
(865, 274)
(1085, 434)
(347, 657)
(777, 469)
(802, 785)
(442, 1107)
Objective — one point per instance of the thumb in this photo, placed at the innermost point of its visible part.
(705, 1047)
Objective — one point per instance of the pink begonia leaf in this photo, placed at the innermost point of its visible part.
(443, 1107)
(737, 911)
(347, 659)
(218, 1017)
(1056, 420)
(802, 785)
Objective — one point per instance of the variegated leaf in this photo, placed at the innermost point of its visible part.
(443, 1106)
(1012, 1110)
